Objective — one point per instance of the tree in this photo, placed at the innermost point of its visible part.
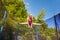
(17, 9)
(15, 12)
(41, 14)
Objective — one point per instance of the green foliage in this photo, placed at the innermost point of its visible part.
(16, 9)
(1, 9)
(15, 12)
(41, 14)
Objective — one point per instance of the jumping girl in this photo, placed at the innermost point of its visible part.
(30, 20)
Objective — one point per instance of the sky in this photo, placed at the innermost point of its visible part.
(52, 7)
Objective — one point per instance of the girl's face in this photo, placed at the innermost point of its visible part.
(30, 15)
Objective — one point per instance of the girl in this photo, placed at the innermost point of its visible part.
(30, 20)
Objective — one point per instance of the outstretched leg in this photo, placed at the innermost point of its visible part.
(29, 25)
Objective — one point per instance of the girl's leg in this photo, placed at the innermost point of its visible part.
(28, 25)
(31, 25)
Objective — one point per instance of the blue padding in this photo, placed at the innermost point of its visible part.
(58, 21)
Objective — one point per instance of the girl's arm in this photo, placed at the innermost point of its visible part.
(27, 19)
(32, 18)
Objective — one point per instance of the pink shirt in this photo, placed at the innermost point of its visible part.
(30, 20)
